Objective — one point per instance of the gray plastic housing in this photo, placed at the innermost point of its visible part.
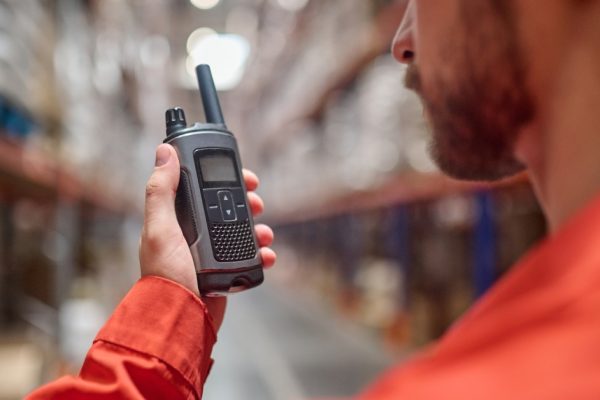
(214, 277)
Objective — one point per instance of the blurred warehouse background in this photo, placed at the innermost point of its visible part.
(378, 252)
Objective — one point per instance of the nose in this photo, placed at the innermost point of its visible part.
(403, 47)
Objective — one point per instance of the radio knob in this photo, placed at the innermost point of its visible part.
(175, 120)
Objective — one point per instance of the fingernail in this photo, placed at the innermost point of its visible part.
(162, 156)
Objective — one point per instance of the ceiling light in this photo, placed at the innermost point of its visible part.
(226, 54)
(204, 4)
(292, 5)
(197, 36)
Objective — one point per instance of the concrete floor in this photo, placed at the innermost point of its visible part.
(276, 346)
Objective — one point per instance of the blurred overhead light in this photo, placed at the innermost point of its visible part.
(292, 5)
(204, 4)
(197, 36)
(226, 54)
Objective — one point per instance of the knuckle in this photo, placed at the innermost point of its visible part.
(152, 188)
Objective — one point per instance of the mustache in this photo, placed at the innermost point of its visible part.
(412, 79)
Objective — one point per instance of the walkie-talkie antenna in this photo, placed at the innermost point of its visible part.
(210, 99)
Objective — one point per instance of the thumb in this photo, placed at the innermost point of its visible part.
(161, 188)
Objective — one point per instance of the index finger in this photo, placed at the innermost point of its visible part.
(251, 179)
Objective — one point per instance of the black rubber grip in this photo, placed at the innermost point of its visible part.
(229, 282)
(185, 210)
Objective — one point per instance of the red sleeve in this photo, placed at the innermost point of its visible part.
(157, 344)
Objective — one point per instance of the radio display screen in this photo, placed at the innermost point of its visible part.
(217, 168)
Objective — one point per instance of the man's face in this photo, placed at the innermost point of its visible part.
(465, 64)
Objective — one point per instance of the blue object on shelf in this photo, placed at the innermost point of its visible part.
(396, 239)
(397, 244)
(484, 243)
(349, 240)
(14, 120)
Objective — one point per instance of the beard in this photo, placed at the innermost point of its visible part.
(476, 117)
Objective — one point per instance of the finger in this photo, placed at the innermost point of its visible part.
(268, 257)
(256, 204)
(161, 188)
(250, 179)
(264, 235)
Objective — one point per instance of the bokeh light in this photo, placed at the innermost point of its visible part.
(225, 53)
(205, 4)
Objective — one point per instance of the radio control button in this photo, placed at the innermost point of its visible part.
(214, 213)
(242, 211)
(210, 197)
(228, 214)
(239, 197)
(227, 205)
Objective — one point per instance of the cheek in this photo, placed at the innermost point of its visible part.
(437, 39)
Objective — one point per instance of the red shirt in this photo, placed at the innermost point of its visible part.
(157, 344)
(534, 335)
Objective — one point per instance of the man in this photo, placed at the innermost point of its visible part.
(506, 85)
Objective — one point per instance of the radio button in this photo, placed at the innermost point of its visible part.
(241, 211)
(214, 213)
(238, 195)
(228, 214)
(210, 197)
(227, 205)
(225, 197)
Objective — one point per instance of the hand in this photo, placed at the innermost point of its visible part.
(163, 249)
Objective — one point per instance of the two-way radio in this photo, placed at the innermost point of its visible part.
(211, 204)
